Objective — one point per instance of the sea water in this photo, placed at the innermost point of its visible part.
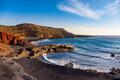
(89, 53)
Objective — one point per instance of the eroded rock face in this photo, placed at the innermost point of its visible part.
(7, 39)
(12, 39)
(33, 52)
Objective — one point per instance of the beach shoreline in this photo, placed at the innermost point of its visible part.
(35, 69)
(43, 71)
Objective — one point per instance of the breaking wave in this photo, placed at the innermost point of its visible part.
(89, 53)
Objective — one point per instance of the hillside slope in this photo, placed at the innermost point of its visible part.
(32, 30)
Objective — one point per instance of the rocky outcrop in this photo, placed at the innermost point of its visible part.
(33, 52)
(7, 39)
(32, 30)
(69, 65)
(12, 39)
(115, 73)
(5, 49)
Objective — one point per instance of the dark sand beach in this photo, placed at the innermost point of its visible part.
(43, 71)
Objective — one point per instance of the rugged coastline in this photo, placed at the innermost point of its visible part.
(19, 58)
(39, 70)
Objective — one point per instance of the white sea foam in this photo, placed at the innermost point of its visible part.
(75, 48)
(62, 62)
(53, 61)
(40, 41)
(44, 40)
(89, 53)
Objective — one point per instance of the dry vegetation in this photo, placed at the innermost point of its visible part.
(32, 30)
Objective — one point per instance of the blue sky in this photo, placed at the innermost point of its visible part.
(95, 17)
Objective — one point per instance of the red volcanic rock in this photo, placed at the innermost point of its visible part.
(8, 38)
(3, 34)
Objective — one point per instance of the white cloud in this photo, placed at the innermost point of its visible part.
(78, 8)
(84, 10)
(113, 7)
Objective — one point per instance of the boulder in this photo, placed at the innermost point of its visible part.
(115, 73)
(69, 65)
(112, 55)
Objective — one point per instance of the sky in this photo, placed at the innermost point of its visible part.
(85, 17)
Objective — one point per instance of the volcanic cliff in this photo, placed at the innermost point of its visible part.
(32, 30)
(20, 34)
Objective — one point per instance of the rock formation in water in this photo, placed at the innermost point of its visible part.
(33, 52)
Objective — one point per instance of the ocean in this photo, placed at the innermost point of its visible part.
(89, 53)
